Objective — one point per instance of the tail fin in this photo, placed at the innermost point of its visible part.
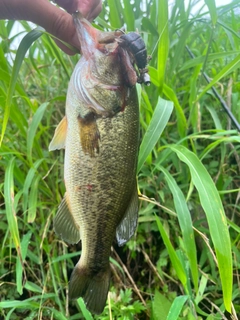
(92, 287)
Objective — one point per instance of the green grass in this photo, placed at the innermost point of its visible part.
(183, 262)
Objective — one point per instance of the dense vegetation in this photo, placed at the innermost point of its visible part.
(183, 262)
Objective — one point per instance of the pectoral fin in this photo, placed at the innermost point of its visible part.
(59, 138)
(126, 228)
(64, 223)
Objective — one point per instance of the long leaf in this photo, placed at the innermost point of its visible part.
(163, 44)
(224, 72)
(84, 310)
(212, 10)
(19, 265)
(21, 52)
(9, 204)
(158, 122)
(181, 119)
(27, 303)
(129, 15)
(172, 254)
(32, 202)
(28, 182)
(176, 307)
(114, 16)
(33, 128)
(170, 94)
(211, 57)
(12, 219)
(185, 221)
(212, 205)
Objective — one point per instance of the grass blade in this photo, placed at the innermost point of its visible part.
(21, 52)
(212, 205)
(27, 303)
(9, 204)
(32, 203)
(129, 15)
(158, 122)
(33, 128)
(181, 119)
(212, 10)
(28, 182)
(19, 266)
(225, 71)
(172, 254)
(57, 314)
(225, 26)
(176, 307)
(86, 313)
(114, 16)
(33, 287)
(185, 221)
(55, 52)
(163, 44)
(170, 94)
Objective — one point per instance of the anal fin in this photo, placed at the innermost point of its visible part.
(64, 223)
(126, 228)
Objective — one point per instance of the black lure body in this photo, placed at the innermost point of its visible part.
(134, 44)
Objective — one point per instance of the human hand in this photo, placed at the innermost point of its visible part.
(53, 19)
(90, 9)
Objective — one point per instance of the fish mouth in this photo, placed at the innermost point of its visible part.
(78, 18)
(87, 35)
(77, 15)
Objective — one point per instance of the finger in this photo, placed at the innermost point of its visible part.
(95, 12)
(69, 5)
(90, 9)
(60, 24)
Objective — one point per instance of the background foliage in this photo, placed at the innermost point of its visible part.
(183, 262)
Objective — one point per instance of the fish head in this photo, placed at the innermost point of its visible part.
(107, 60)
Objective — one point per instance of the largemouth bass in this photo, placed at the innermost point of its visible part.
(100, 134)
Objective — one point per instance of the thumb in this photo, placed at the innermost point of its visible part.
(54, 20)
(60, 24)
